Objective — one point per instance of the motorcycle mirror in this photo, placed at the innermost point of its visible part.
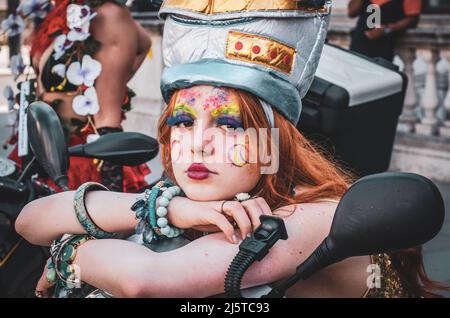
(122, 148)
(46, 138)
(379, 214)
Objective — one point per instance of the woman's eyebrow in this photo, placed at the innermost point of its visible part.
(236, 118)
(229, 120)
(232, 109)
(180, 107)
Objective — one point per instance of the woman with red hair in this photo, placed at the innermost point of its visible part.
(231, 152)
(304, 192)
(84, 53)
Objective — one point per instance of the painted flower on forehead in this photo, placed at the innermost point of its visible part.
(86, 104)
(60, 46)
(13, 25)
(220, 98)
(34, 8)
(84, 73)
(17, 66)
(189, 96)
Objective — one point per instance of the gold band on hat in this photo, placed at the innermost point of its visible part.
(225, 6)
(257, 49)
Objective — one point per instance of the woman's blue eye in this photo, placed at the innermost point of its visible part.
(229, 123)
(180, 121)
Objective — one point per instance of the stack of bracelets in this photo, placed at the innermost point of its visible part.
(153, 225)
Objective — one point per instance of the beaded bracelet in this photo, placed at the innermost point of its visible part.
(162, 211)
(153, 223)
(82, 214)
(61, 269)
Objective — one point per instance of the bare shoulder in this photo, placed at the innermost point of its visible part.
(315, 217)
(112, 14)
(309, 225)
(111, 10)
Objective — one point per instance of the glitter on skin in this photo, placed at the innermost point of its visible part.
(185, 109)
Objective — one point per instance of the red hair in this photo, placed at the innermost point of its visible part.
(55, 23)
(305, 166)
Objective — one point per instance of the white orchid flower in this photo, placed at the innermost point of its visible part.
(79, 34)
(86, 104)
(79, 15)
(61, 45)
(8, 93)
(13, 25)
(17, 66)
(84, 73)
(91, 138)
(60, 70)
(34, 8)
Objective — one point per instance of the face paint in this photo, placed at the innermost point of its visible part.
(237, 155)
(229, 120)
(182, 114)
(189, 96)
(231, 109)
(219, 98)
(184, 109)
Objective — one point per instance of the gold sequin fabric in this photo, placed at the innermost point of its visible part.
(385, 281)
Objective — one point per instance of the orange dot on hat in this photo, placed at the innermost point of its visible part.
(287, 59)
(273, 54)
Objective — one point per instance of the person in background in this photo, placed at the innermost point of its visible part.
(396, 17)
(83, 54)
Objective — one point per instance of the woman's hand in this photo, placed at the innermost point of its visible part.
(212, 215)
(43, 286)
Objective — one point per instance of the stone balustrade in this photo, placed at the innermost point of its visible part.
(423, 138)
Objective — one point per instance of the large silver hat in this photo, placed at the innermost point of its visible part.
(270, 48)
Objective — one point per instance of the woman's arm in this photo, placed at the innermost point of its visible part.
(144, 44)
(44, 220)
(115, 28)
(125, 269)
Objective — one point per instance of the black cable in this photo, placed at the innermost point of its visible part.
(236, 271)
(253, 248)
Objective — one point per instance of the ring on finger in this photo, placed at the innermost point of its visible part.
(221, 208)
